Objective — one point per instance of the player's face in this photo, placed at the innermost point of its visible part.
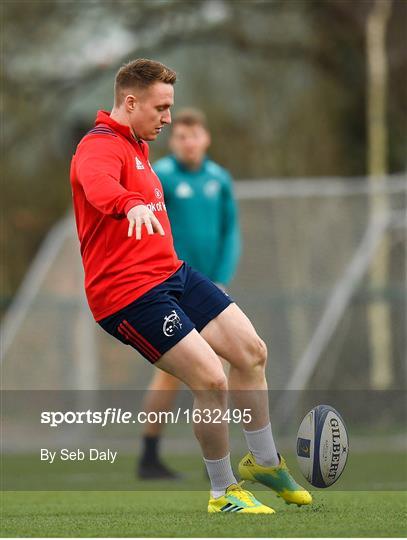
(150, 110)
(189, 144)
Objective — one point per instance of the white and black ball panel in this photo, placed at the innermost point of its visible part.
(322, 446)
(333, 446)
(305, 445)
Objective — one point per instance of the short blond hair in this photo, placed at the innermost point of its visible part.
(140, 74)
(189, 116)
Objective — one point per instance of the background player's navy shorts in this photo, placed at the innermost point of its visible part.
(159, 319)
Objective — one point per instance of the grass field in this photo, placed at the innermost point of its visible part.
(183, 513)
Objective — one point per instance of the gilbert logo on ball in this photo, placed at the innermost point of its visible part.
(322, 446)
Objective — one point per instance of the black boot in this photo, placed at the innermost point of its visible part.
(150, 467)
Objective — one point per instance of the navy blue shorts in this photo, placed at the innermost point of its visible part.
(159, 319)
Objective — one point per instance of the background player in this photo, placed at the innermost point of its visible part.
(204, 222)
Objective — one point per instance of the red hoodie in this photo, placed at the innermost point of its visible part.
(110, 173)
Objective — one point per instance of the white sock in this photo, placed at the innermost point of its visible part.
(220, 475)
(261, 445)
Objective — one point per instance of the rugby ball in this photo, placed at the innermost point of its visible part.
(322, 446)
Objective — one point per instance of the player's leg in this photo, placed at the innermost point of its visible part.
(194, 362)
(160, 396)
(232, 336)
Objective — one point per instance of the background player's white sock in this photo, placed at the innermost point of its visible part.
(220, 475)
(261, 445)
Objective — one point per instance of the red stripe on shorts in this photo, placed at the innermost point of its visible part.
(142, 340)
(124, 332)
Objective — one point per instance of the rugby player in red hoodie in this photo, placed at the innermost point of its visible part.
(143, 295)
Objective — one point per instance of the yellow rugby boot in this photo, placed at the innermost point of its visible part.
(237, 499)
(277, 478)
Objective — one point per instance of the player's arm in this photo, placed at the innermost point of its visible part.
(230, 242)
(98, 169)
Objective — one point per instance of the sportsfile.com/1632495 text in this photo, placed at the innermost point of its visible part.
(113, 415)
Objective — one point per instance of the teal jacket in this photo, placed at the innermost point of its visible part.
(203, 215)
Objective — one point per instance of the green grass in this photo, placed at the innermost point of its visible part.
(363, 472)
(169, 514)
(179, 509)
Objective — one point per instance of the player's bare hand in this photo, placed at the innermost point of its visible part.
(141, 215)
